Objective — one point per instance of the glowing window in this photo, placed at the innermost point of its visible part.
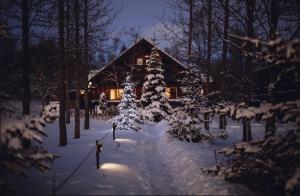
(171, 92)
(139, 61)
(115, 94)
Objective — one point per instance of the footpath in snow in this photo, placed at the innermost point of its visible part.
(145, 162)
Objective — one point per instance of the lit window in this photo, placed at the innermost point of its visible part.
(171, 92)
(139, 61)
(115, 94)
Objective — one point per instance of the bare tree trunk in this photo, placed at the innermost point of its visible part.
(224, 48)
(270, 127)
(86, 71)
(209, 35)
(78, 64)
(273, 18)
(224, 61)
(62, 120)
(67, 64)
(25, 58)
(250, 8)
(0, 126)
(190, 28)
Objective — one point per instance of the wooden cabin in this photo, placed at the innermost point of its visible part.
(109, 79)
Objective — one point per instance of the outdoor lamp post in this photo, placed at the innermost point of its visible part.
(99, 148)
(114, 130)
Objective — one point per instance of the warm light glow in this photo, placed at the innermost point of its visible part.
(125, 141)
(201, 92)
(115, 94)
(139, 61)
(115, 167)
(82, 92)
(168, 92)
(171, 92)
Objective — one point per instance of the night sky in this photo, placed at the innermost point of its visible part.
(142, 13)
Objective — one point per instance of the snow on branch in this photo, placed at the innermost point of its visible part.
(21, 143)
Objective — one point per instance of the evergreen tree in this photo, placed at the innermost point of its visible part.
(186, 122)
(128, 118)
(154, 103)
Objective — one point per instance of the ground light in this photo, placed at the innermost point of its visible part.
(125, 141)
(115, 167)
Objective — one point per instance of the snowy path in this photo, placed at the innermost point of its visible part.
(144, 162)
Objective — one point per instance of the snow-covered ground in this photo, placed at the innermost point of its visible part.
(145, 162)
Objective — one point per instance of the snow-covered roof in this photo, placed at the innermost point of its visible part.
(93, 73)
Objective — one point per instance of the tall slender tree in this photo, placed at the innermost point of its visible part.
(77, 72)
(25, 57)
(209, 38)
(250, 8)
(191, 7)
(224, 66)
(86, 70)
(273, 18)
(68, 40)
(62, 97)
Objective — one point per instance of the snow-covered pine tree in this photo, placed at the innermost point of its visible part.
(21, 142)
(186, 122)
(128, 118)
(271, 163)
(155, 106)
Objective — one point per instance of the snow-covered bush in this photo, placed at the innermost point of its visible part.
(20, 144)
(128, 118)
(155, 106)
(272, 163)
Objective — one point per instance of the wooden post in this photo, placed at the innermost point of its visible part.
(270, 127)
(114, 131)
(206, 121)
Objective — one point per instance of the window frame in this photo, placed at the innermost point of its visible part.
(117, 94)
(170, 92)
(138, 60)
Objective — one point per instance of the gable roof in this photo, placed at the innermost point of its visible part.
(127, 51)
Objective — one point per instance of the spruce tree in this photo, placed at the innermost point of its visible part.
(186, 122)
(128, 118)
(155, 106)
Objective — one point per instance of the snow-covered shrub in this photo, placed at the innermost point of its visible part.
(269, 164)
(272, 163)
(20, 144)
(128, 118)
(186, 126)
(155, 106)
